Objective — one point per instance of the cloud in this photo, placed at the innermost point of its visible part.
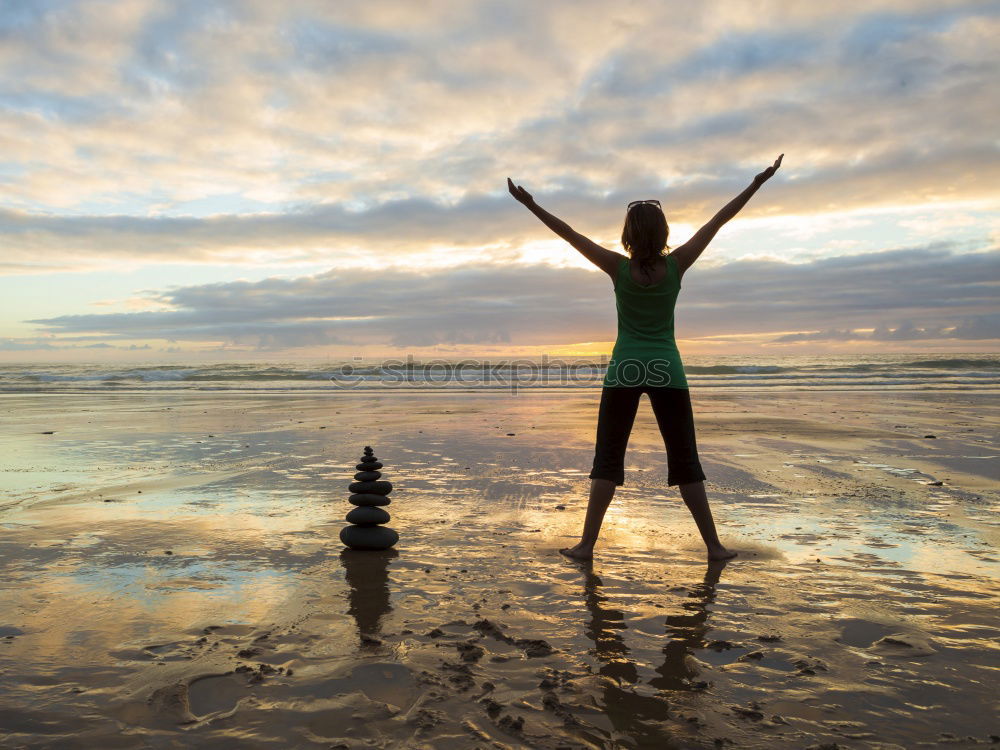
(26, 345)
(410, 225)
(980, 327)
(922, 293)
(335, 126)
(375, 139)
(34, 344)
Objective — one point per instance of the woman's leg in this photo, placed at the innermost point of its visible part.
(615, 418)
(697, 502)
(675, 417)
(601, 493)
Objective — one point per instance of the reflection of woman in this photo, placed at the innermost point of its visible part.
(604, 628)
(642, 717)
(687, 632)
(639, 717)
(645, 358)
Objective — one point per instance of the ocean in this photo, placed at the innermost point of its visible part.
(792, 372)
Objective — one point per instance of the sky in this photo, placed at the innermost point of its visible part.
(251, 180)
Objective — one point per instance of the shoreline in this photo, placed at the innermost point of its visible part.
(781, 387)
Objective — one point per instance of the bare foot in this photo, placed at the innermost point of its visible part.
(579, 552)
(720, 553)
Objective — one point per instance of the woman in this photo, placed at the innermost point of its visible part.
(645, 358)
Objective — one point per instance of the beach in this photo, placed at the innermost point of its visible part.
(171, 573)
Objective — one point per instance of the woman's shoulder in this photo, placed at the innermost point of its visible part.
(678, 269)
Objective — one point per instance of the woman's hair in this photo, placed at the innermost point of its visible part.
(645, 234)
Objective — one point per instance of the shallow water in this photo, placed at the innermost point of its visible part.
(861, 609)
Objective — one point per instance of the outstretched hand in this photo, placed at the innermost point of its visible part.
(519, 193)
(766, 174)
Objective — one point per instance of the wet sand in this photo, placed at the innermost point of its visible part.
(171, 576)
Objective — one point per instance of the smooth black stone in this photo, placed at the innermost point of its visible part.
(367, 476)
(371, 488)
(369, 460)
(368, 537)
(367, 515)
(369, 466)
(366, 500)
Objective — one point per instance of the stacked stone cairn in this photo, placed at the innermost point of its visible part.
(367, 531)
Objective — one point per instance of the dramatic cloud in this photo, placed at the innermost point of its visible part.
(410, 225)
(236, 131)
(914, 294)
(213, 138)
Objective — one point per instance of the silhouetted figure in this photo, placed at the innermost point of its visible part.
(645, 358)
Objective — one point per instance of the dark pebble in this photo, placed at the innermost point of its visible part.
(369, 537)
(534, 647)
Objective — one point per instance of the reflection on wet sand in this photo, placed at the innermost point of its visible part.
(604, 629)
(367, 575)
(687, 633)
(178, 563)
(642, 716)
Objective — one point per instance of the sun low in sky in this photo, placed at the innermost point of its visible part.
(254, 180)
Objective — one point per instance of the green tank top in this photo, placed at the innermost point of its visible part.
(645, 352)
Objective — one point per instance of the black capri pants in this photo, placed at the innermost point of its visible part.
(672, 408)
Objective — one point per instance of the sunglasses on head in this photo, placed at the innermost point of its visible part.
(639, 203)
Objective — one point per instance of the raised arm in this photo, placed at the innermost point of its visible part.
(688, 253)
(601, 257)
